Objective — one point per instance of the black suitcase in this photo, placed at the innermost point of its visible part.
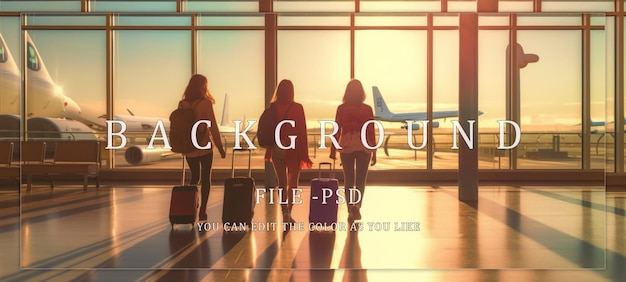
(184, 203)
(238, 206)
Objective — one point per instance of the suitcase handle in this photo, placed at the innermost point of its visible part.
(232, 173)
(331, 170)
(182, 181)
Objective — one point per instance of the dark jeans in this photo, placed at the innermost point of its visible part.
(355, 167)
(201, 170)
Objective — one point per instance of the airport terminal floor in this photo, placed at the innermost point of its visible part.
(407, 233)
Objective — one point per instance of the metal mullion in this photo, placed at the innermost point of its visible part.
(109, 80)
(357, 9)
(407, 28)
(512, 100)
(63, 27)
(271, 56)
(313, 28)
(619, 93)
(194, 42)
(85, 6)
(536, 6)
(614, 13)
(24, 64)
(38, 27)
(352, 44)
(366, 28)
(593, 27)
(127, 27)
(430, 153)
(229, 28)
(586, 94)
(555, 27)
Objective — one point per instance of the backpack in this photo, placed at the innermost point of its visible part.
(267, 125)
(181, 122)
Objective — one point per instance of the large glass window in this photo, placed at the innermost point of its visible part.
(598, 96)
(233, 61)
(390, 53)
(445, 95)
(492, 45)
(318, 64)
(394, 61)
(551, 100)
(151, 71)
(66, 83)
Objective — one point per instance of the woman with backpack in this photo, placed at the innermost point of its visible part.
(289, 162)
(198, 97)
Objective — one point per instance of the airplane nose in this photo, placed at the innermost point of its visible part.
(71, 106)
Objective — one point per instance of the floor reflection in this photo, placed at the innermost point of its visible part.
(508, 228)
(351, 259)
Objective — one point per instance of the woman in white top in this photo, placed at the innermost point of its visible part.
(355, 158)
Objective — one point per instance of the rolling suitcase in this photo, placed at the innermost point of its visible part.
(238, 206)
(323, 208)
(184, 203)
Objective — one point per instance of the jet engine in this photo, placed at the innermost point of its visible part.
(416, 125)
(136, 155)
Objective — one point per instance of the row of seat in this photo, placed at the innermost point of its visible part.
(70, 157)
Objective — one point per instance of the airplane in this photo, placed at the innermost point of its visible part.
(47, 99)
(9, 81)
(50, 101)
(382, 113)
(601, 123)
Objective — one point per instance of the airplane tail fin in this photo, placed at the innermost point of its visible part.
(224, 121)
(380, 107)
(36, 66)
(6, 59)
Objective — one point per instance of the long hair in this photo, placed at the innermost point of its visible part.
(354, 93)
(198, 88)
(284, 93)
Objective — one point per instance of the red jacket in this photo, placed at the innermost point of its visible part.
(300, 155)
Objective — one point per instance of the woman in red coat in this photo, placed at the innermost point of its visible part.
(355, 157)
(289, 161)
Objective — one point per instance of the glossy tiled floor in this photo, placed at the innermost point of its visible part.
(512, 234)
